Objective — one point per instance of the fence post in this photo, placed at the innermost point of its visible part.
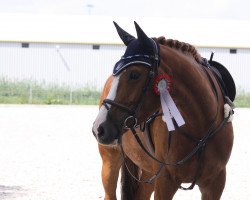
(30, 93)
(71, 95)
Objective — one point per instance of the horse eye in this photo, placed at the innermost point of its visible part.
(134, 75)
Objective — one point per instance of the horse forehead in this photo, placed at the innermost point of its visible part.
(113, 88)
(102, 115)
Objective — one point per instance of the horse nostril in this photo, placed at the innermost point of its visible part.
(100, 131)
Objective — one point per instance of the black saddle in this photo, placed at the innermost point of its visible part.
(224, 78)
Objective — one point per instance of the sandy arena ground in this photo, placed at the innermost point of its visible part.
(49, 153)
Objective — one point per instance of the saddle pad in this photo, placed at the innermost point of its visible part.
(228, 81)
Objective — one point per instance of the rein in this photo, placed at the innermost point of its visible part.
(198, 149)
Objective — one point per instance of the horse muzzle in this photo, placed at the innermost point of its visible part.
(107, 133)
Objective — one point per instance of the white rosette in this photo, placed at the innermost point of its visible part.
(169, 108)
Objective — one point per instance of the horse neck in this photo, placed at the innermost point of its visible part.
(191, 91)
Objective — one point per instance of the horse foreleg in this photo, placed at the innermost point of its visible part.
(144, 190)
(111, 163)
(212, 190)
(165, 187)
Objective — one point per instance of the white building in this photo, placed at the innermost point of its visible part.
(81, 50)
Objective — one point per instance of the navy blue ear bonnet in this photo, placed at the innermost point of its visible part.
(143, 50)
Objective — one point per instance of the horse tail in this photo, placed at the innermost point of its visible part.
(129, 185)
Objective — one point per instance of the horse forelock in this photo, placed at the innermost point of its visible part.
(181, 46)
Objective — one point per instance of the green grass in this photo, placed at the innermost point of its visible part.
(242, 99)
(31, 92)
(25, 92)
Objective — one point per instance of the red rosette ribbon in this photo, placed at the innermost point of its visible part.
(160, 77)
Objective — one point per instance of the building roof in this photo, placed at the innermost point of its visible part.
(100, 29)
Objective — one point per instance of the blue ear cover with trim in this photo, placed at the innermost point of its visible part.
(143, 50)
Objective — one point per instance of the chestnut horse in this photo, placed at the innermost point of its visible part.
(196, 152)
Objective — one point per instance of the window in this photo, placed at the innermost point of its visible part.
(25, 45)
(96, 46)
(233, 51)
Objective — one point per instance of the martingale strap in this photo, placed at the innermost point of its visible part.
(197, 150)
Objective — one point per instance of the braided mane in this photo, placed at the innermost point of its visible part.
(182, 46)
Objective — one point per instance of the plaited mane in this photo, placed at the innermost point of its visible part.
(182, 46)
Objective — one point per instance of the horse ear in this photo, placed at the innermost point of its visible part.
(126, 37)
(144, 40)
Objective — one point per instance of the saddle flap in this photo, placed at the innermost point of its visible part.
(226, 78)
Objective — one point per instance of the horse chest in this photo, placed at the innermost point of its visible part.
(135, 153)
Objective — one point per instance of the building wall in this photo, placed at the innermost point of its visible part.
(70, 64)
(80, 65)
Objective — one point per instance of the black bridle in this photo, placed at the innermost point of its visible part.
(130, 121)
(132, 113)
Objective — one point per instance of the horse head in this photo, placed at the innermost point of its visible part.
(133, 96)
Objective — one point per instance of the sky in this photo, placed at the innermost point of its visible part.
(215, 9)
